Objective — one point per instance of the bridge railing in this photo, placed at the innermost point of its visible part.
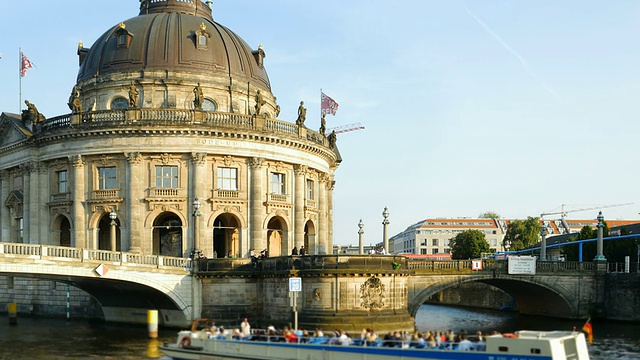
(64, 253)
(501, 265)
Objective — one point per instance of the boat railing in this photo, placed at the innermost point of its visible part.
(262, 335)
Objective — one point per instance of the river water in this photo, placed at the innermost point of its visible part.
(40, 339)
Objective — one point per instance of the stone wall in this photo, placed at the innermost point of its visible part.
(621, 297)
(47, 298)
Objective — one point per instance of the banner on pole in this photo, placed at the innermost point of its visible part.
(25, 64)
(328, 105)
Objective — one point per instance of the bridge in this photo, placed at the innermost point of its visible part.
(127, 284)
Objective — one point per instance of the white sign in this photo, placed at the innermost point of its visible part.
(522, 265)
(476, 265)
(295, 284)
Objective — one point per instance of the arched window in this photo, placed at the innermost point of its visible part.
(209, 105)
(119, 103)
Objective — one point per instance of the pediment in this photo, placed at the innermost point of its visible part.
(12, 130)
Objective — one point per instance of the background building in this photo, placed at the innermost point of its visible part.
(431, 236)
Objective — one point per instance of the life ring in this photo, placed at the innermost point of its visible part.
(510, 335)
(186, 341)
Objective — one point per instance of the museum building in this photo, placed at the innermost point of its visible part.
(173, 137)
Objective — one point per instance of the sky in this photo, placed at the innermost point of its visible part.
(515, 107)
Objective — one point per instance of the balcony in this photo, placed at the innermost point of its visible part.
(164, 195)
(226, 194)
(282, 198)
(105, 194)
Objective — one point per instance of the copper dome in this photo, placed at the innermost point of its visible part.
(174, 36)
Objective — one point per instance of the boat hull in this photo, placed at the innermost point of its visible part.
(256, 350)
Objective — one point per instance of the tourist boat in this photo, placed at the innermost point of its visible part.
(521, 345)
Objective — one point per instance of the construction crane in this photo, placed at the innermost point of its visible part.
(346, 128)
(563, 213)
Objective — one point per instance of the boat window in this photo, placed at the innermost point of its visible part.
(536, 351)
(503, 348)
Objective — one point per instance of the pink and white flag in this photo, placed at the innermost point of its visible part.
(25, 64)
(328, 105)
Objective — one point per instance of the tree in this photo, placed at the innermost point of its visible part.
(522, 234)
(489, 215)
(589, 249)
(469, 244)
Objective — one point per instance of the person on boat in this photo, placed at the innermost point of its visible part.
(245, 327)
(480, 344)
(465, 344)
(344, 339)
(290, 336)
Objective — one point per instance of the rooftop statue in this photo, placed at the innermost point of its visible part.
(302, 114)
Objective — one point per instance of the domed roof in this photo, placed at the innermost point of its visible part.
(174, 36)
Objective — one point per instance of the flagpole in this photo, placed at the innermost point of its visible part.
(20, 79)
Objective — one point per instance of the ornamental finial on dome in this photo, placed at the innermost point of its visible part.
(122, 25)
(203, 27)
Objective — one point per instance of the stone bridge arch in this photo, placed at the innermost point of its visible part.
(554, 296)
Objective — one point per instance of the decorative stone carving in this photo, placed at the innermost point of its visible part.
(256, 162)
(227, 160)
(198, 158)
(105, 159)
(279, 166)
(300, 169)
(76, 160)
(372, 294)
(133, 158)
(317, 294)
(166, 158)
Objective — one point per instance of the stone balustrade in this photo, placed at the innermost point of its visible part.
(179, 117)
(90, 256)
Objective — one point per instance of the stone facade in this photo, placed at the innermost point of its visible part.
(156, 129)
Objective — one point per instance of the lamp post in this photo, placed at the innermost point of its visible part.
(361, 236)
(543, 242)
(599, 254)
(196, 207)
(385, 230)
(113, 216)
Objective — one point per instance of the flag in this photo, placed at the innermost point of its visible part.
(588, 330)
(25, 64)
(329, 106)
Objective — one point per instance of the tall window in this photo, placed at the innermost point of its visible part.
(310, 189)
(167, 177)
(434, 242)
(227, 178)
(20, 230)
(62, 182)
(277, 183)
(107, 178)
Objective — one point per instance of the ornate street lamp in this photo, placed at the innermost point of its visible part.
(113, 216)
(543, 242)
(361, 236)
(196, 207)
(600, 255)
(385, 230)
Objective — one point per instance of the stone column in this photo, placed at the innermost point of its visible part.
(322, 215)
(26, 203)
(77, 197)
(43, 209)
(300, 172)
(199, 186)
(256, 207)
(5, 218)
(34, 208)
(330, 186)
(134, 207)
